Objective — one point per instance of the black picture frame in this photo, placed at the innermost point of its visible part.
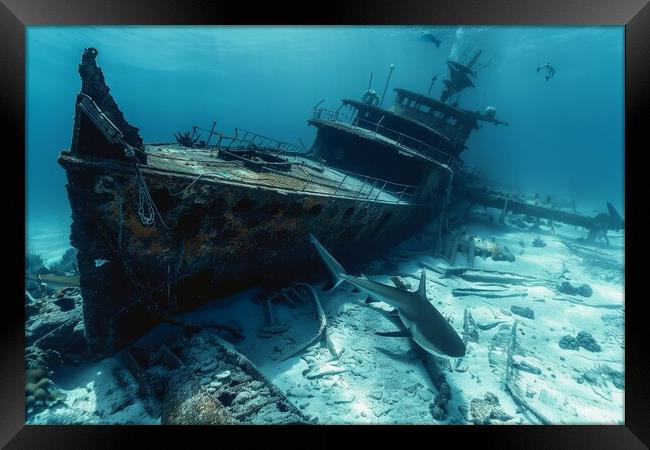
(15, 15)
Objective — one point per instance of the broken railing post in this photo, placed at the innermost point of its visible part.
(381, 190)
(453, 251)
(207, 142)
(470, 252)
(502, 218)
(269, 307)
(365, 181)
(342, 181)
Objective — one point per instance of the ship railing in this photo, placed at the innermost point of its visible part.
(403, 140)
(244, 139)
(372, 188)
(345, 185)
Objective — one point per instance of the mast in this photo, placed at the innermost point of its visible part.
(459, 77)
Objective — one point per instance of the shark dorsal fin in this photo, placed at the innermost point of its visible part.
(422, 288)
(362, 276)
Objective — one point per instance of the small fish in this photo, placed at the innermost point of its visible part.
(550, 70)
(429, 37)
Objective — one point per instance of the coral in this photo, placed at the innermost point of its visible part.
(568, 342)
(539, 243)
(483, 410)
(400, 283)
(585, 290)
(67, 265)
(438, 407)
(33, 262)
(188, 140)
(587, 342)
(582, 339)
(56, 323)
(39, 390)
(187, 403)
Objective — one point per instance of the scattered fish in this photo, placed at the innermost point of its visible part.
(550, 71)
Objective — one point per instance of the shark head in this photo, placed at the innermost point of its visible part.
(439, 336)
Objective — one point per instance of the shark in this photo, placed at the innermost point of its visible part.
(423, 323)
(430, 37)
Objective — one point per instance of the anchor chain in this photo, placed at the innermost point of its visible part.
(147, 209)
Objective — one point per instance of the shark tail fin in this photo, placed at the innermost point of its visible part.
(422, 288)
(335, 269)
(615, 218)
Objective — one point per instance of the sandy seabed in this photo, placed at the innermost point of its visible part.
(382, 379)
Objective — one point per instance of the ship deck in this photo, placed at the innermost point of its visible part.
(303, 174)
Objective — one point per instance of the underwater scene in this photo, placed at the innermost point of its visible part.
(325, 225)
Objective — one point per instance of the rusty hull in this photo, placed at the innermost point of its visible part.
(223, 237)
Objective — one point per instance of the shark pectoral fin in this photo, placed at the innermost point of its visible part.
(400, 333)
(371, 300)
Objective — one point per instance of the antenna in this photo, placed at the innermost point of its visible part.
(391, 68)
(370, 81)
(214, 124)
(433, 80)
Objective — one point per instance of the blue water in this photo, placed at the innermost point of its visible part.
(565, 137)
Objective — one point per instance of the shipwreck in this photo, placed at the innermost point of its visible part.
(161, 227)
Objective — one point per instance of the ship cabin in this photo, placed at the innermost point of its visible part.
(415, 142)
(453, 123)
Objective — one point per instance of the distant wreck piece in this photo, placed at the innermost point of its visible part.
(598, 225)
(321, 334)
(200, 379)
(567, 288)
(523, 311)
(174, 228)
